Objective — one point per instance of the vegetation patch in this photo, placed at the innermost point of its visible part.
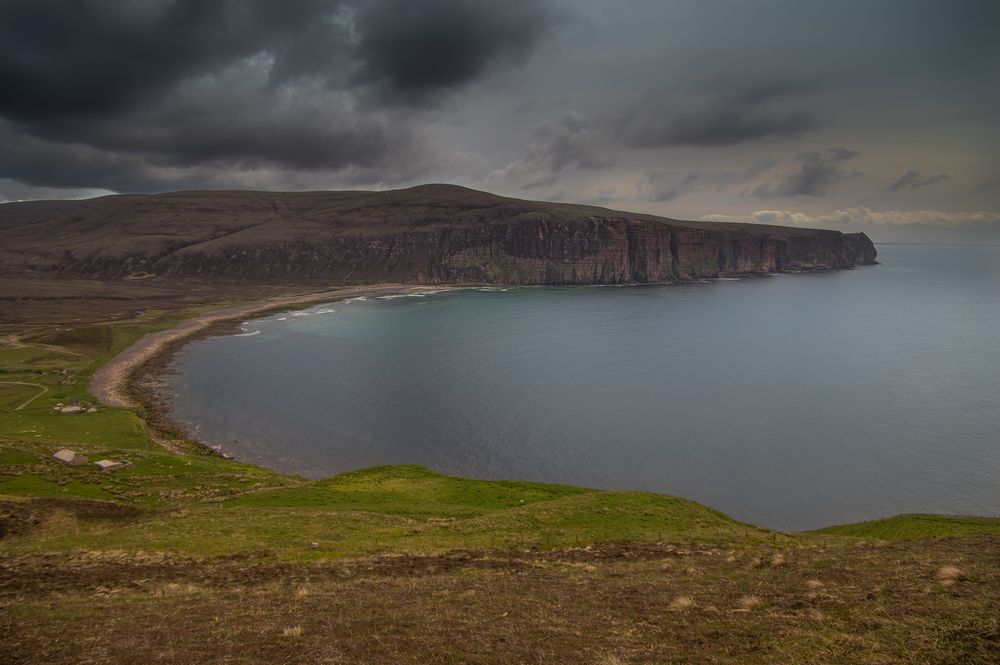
(918, 527)
(602, 604)
(409, 491)
(33, 485)
(90, 340)
(192, 558)
(16, 395)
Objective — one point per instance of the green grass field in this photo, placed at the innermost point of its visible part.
(202, 503)
(16, 395)
(917, 527)
(192, 558)
(385, 509)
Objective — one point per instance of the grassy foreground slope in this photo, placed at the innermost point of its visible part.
(918, 527)
(396, 509)
(191, 558)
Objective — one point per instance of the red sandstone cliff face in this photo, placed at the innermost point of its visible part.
(431, 234)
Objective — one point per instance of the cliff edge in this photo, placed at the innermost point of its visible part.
(431, 234)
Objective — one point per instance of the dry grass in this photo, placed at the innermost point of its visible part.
(611, 660)
(506, 607)
(949, 575)
(750, 602)
(681, 603)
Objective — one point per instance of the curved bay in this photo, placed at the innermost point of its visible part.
(792, 401)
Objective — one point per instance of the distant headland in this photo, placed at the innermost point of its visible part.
(430, 234)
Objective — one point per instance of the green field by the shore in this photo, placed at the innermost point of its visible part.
(874, 587)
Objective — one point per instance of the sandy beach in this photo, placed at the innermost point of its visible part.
(109, 382)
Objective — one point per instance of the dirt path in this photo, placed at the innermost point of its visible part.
(31, 399)
(14, 342)
(108, 383)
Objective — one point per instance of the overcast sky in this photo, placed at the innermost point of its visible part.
(870, 114)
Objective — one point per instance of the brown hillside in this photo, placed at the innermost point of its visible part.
(427, 234)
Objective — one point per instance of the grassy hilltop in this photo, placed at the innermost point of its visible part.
(186, 557)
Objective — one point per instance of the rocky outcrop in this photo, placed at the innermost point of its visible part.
(433, 234)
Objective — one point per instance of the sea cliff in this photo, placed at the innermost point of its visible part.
(434, 234)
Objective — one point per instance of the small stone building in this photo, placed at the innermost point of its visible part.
(67, 456)
(111, 465)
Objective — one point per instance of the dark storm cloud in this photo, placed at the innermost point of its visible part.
(816, 175)
(236, 116)
(158, 94)
(726, 116)
(411, 49)
(912, 180)
(38, 163)
(158, 84)
(91, 56)
(32, 161)
(69, 57)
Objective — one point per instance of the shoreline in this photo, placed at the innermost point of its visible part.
(109, 384)
(140, 367)
(126, 380)
(129, 379)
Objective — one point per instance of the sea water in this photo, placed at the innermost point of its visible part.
(789, 401)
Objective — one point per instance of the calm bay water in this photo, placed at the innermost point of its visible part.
(792, 401)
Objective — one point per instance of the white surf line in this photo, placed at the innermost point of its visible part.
(108, 383)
